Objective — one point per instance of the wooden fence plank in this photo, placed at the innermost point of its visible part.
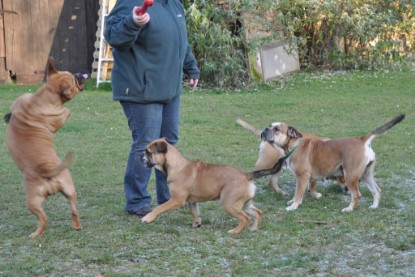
(39, 18)
(64, 29)
(9, 28)
(2, 45)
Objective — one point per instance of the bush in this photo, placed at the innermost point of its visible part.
(344, 34)
(338, 34)
(217, 43)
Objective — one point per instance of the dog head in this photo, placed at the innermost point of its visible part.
(155, 155)
(66, 84)
(279, 134)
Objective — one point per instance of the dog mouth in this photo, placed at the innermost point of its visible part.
(146, 161)
(80, 80)
(265, 136)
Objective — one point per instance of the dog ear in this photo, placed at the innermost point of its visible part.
(292, 132)
(161, 147)
(51, 66)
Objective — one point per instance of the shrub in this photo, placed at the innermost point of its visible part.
(217, 43)
(337, 34)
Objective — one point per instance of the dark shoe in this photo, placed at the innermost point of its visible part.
(143, 211)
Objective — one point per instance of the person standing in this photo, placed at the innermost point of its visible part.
(151, 55)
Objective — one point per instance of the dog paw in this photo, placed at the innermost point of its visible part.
(291, 208)
(234, 232)
(290, 202)
(147, 219)
(347, 210)
(277, 189)
(316, 195)
(373, 207)
(283, 193)
(197, 224)
(253, 229)
(34, 235)
(77, 227)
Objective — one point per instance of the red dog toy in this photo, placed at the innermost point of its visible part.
(143, 9)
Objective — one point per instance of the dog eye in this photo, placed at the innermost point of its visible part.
(276, 128)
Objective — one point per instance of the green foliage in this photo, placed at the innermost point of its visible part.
(336, 34)
(344, 34)
(217, 43)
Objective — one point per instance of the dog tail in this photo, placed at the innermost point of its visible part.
(47, 171)
(7, 117)
(369, 137)
(248, 126)
(275, 169)
(265, 172)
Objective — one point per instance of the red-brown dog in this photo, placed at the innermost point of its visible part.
(32, 122)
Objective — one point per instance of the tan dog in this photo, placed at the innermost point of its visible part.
(268, 155)
(315, 159)
(33, 120)
(194, 181)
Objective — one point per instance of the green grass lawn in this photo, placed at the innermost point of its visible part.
(365, 242)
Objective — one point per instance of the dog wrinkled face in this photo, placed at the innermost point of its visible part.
(279, 133)
(65, 83)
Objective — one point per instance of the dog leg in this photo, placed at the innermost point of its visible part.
(35, 203)
(67, 188)
(243, 220)
(313, 189)
(197, 220)
(234, 207)
(171, 204)
(254, 212)
(369, 180)
(76, 223)
(353, 185)
(342, 183)
(273, 183)
(299, 194)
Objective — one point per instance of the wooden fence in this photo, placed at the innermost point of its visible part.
(33, 30)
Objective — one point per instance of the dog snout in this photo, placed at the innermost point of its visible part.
(80, 80)
(146, 161)
(264, 134)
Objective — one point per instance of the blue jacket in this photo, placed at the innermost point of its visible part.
(149, 61)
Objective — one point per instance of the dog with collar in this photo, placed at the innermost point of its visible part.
(194, 182)
(32, 122)
(351, 157)
(270, 153)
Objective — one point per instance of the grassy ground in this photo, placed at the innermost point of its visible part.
(365, 242)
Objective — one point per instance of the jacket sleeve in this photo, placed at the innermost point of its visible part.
(121, 31)
(190, 67)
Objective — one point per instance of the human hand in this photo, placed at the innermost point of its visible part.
(193, 83)
(140, 20)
